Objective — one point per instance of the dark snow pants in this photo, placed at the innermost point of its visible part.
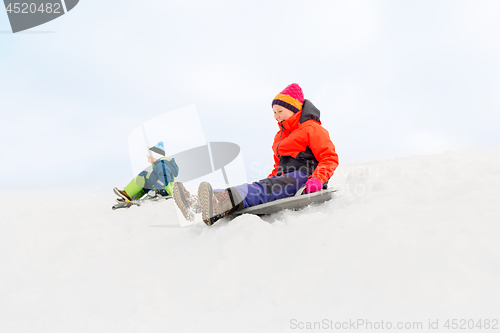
(270, 189)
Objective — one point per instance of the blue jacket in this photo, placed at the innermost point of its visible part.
(164, 171)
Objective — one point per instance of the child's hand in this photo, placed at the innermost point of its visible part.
(313, 185)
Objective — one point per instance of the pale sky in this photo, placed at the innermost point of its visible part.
(392, 78)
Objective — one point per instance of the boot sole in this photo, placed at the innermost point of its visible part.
(205, 195)
(181, 202)
(121, 195)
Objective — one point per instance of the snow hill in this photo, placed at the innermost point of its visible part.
(406, 240)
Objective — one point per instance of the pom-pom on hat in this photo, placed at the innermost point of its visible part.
(157, 151)
(291, 98)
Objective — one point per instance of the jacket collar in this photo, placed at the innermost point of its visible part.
(292, 123)
(309, 111)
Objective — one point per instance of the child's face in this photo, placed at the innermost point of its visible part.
(281, 113)
(151, 159)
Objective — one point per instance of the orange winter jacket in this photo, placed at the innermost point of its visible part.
(303, 144)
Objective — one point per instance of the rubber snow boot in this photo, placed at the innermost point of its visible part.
(122, 194)
(187, 202)
(214, 205)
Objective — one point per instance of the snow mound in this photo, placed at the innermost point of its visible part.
(409, 239)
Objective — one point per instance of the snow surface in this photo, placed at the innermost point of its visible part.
(409, 239)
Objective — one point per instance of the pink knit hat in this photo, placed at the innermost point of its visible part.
(291, 98)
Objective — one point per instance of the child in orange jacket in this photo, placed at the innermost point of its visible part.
(304, 155)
